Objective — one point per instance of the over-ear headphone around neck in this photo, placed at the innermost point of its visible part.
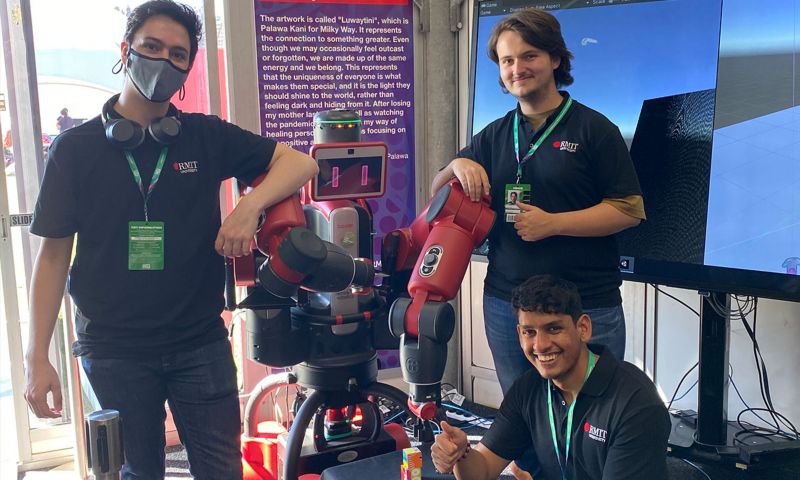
(127, 134)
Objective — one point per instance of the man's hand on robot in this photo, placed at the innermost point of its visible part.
(287, 256)
(303, 260)
(440, 241)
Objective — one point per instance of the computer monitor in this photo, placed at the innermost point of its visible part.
(705, 95)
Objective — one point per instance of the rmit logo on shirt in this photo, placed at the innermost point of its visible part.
(565, 145)
(185, 167)
(595, 433)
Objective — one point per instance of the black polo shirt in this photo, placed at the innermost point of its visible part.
(88, 189)
(620, 425)
(583, 161)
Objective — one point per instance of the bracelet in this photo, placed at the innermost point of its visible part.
(466, 452)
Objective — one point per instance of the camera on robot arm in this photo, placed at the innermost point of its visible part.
(312, 303)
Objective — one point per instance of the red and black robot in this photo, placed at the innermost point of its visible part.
(306, 249)
(438, 244)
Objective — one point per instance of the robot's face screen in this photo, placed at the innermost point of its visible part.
(351, 174)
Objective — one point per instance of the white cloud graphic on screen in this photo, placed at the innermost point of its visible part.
(588, 41)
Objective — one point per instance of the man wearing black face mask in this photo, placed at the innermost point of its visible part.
(140, 186)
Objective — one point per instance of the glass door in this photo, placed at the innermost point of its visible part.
(26, 440)
(52, 66)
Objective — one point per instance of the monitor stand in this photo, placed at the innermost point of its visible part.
(707, 434)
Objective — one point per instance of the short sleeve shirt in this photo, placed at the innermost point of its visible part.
(583, 161)
(620, 425)
(88, 189)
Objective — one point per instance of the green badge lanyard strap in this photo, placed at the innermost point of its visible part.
(563, 466)
(541, 139)
(138, 177)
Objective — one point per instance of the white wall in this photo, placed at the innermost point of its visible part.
(676, 350)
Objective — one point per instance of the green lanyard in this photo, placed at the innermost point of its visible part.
(563, 466)
(541, 139)
(153, 180)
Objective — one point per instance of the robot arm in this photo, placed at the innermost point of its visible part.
(287, 255)
(439, 242)
(297, 257)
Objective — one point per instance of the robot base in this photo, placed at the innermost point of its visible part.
(306, 450)
(339, 452)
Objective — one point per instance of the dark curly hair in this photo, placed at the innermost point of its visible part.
(540, 29)
(179, 12)
(547, 294)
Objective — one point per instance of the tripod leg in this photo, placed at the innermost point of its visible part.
(294, 444)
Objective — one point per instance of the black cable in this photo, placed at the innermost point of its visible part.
(679, 384)
(763, 377)
(691, 387)
(743, 310)
(761, 370)
(693, 366)
(697, 467)
(763, 380)
(745, 305)
(746, 409)
(766, 432)
(739, 394)
(675, 298)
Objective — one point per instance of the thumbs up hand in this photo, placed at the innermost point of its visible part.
(448, 447)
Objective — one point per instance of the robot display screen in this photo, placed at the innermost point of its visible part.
(705, 95)
(349, 172)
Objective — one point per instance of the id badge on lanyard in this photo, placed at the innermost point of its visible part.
(146, 239)
(516, 192)
(521, 192)
(145, 245)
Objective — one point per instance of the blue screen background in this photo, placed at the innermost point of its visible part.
(624, 54)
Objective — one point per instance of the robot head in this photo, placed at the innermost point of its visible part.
(337, 126)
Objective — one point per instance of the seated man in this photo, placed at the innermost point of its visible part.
(586, 414)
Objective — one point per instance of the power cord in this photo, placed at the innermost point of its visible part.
(394, 417)
(669, 405)
(688, 390)
(745, 306)
(697, 467)
(475, 420)
(676, 299)
(749, 409)
(673, 399)
(763, 378)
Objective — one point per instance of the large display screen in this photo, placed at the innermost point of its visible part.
(705, 95)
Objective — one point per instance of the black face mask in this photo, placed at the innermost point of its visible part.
(157, 79)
